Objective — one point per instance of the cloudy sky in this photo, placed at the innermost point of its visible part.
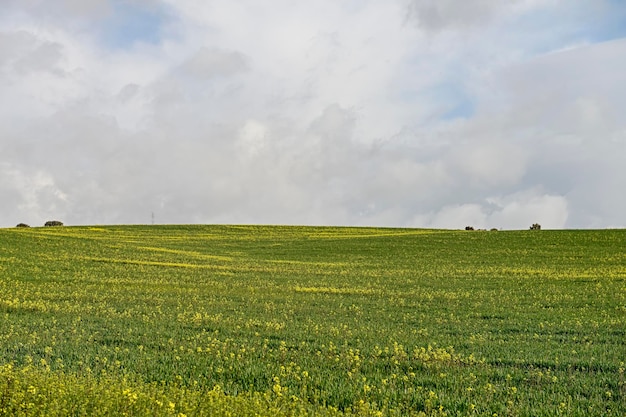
(413, 113)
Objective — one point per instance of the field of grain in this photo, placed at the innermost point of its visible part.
(260, 320)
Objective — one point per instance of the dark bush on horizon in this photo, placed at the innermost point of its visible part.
(22, 225)
(535, 226)
(53, 223)
(469, 228)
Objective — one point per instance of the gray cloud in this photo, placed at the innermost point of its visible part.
(435, 15)
(23, 52)
(61, 10)
(210, 63)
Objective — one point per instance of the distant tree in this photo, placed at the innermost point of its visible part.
(469, 228)
(53, 223)
(494, 229)
(535, 226)
(22, 225)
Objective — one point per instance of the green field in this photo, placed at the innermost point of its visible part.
(259, 320)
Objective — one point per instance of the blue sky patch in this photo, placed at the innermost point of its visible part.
(132, 23)
(579, 25)
(462, 110)
(614, 24)
(452, 101)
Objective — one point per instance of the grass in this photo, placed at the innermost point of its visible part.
(260, 320)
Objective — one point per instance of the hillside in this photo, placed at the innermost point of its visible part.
(272, 320)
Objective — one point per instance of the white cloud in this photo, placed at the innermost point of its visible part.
(515, 211)
(489, 164)
(458, 216)
(35, 197)
(252, 138)
(323, 112)
(525, 208)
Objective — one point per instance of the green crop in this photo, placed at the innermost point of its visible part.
(271, 320)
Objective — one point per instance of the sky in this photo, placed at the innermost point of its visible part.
(398, 113)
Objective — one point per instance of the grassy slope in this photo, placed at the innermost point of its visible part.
(514, 323)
